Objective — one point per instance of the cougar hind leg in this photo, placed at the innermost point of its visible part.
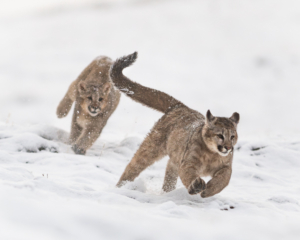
(151, 150)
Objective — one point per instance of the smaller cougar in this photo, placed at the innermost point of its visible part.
(197, 146)
(95, 101)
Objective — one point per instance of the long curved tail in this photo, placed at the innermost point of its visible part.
(152, 98)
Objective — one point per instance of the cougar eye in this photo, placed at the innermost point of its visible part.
(232, 137)
(100, 99)
(220, 136)
(90, 98)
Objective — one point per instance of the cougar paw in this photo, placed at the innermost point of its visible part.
(197, 186)
(205, 194)
(78, 150)
(61, 115)
(62, 111)
(120, 184)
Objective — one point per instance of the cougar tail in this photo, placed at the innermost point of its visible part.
(152, 98)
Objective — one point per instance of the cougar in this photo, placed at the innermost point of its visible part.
(95, 101)
(197, 146)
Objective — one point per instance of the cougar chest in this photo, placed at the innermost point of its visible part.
(211, 163)
(82, 119)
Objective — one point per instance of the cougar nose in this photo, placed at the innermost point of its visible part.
(92, 109)
(227, 148)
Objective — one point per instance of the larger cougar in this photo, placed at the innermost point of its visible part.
(197, 146)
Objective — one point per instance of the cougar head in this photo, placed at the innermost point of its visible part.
(220, 133)
(94, 97)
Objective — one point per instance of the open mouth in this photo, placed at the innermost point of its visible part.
(93, 111)
(223, 151)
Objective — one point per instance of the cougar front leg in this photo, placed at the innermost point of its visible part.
(190, 178)
(64, 107)
(75, 133)
(75, 128)
(219, 181)
(86, 139)
(170, 176)
(66, 103)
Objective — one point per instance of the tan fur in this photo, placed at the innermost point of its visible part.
(193, 143)
(95, 101)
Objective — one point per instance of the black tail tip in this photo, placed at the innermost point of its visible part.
(126, 61)
(122, 63)
(135, 54)
(132, 57)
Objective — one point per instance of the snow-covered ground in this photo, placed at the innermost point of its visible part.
(224, 56)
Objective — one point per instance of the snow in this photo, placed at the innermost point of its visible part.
(59, 195)
(225, 56)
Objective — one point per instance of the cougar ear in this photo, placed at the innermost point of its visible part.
(235, 117)
(106, 88)
(209, 116)
(82, 87)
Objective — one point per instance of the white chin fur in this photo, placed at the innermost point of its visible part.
(224, 154)
(93, 114)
